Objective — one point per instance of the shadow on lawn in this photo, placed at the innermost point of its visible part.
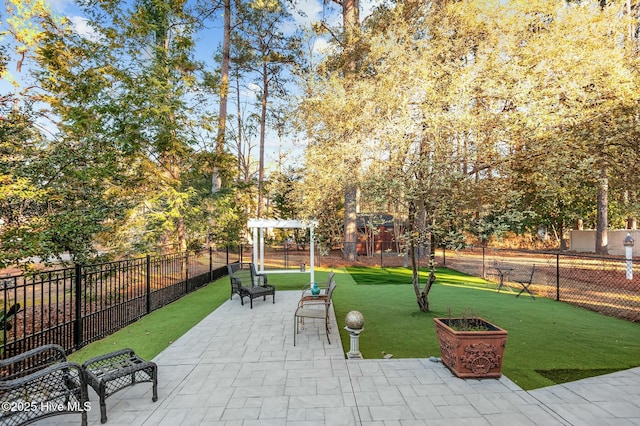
(571, 374)
(400, 275)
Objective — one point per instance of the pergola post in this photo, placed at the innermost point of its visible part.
(312, 276)
(262, 249)
(255, 247)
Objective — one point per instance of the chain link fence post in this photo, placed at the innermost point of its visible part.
(558, 277)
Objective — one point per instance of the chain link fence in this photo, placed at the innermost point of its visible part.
(609, 285)
(383, 253)
(606, 284)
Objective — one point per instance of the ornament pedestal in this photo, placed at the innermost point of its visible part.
(354, 343)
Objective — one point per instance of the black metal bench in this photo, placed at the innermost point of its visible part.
(258, 286)
(109, 373)
(41, 383)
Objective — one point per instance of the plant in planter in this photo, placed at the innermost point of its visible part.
(471, 347)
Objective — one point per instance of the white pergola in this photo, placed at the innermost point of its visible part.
(259, 225)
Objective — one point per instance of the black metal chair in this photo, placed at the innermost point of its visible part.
(525, 283)
(41, 383)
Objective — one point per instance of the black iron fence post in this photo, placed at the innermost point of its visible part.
(187, 287)
(77, 334)
(558, 277)
(148, 295)
(211, 264)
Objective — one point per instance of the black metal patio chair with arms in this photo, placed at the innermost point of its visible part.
(234, 272)
(316, 313)
(41, 383)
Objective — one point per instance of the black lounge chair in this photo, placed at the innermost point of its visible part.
(255, 284)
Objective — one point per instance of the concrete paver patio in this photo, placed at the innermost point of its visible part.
(238, 366)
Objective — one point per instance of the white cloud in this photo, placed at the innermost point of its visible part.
(71, 11)
(321, 46)
(312, 11)
(367, 6)
(253, 91)
(82, 27)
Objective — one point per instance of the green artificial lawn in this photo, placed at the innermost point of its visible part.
(549, 342)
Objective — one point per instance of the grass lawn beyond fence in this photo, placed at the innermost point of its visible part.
(549, 342)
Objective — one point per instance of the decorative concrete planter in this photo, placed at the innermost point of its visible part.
(471, 347)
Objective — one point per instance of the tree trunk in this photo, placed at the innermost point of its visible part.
(422, 297)
(216, 181)
(181, 234)
(632, 222)
(350, 14)
(632, 28)
(263, 129)
(421, 227)
(350, 252)
(350, 21)
(603, 213)
(168, 137)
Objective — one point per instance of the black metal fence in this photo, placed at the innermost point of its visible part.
(78, 305)
(75, 306)
(606, 284)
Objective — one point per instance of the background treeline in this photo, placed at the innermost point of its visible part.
(462, 119)
(481, 118)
